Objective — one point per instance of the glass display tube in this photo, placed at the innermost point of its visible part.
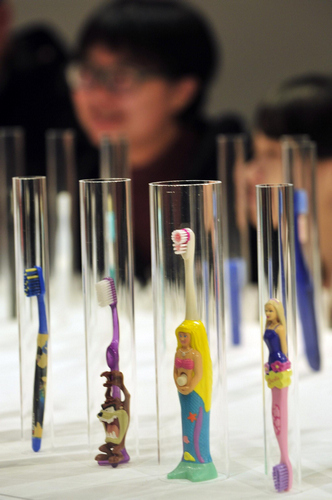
(63, 205)
(11, 164)
(32, 279)
(232, 158)
(107, 252)
(114, 162)
(276, 282)
(299, 161)
(195, 206)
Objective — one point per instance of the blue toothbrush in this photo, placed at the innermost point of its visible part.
(305, 289)
(236, 276)
(34, 286)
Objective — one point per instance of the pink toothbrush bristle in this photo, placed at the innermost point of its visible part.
(180, 238)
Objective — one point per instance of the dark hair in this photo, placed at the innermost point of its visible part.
(166, 35)
(301, 105)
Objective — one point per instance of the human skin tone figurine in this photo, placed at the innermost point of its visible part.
(273, 322)
(278, 377)
(188, 368)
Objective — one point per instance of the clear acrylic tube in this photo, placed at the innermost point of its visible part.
(11, 164)
(31, 252)
(195, 205)
(65, 279)
(114, 162)
(299, 161)
(276, 281)
(63, 205)
(107, 252)
(232, 158)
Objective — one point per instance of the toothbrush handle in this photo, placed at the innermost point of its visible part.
(39, 391)
(116, 393)
(236, 280)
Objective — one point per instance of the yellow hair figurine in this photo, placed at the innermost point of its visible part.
(278, 377)
(192, 376)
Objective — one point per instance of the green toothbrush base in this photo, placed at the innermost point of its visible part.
(194, 472)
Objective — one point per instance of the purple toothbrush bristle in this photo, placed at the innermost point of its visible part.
(280, 477)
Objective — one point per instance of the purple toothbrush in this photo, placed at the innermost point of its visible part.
(106, 296)
(115, 412)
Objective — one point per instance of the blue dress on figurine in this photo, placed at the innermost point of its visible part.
(272, 340)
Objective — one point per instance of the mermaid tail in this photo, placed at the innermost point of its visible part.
(196, 464)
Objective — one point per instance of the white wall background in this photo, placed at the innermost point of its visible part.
(264, 41)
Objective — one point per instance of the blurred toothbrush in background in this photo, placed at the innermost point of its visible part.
(304, 283)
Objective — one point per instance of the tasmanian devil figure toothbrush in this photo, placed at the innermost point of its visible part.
(192, 375)
(115, 412)
(278, 377)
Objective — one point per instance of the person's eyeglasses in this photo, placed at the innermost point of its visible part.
(117, 79)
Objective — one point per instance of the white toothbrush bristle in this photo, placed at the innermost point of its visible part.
(106, 293)
(180, 238)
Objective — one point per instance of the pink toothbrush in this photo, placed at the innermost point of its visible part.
(278, 377)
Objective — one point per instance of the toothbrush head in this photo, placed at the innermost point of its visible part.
(183, 242)
(281, 477)
(34, 282)
(106, 293)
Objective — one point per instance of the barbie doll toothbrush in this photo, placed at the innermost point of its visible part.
(34, 286)
(114, 413)
(278, 376)
(192, 375)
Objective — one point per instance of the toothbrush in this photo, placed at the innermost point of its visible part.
(192, 375)
(34, 285)
(304, 288)
(106, 296)
(114, 413)
(278, 377)
(236, 279)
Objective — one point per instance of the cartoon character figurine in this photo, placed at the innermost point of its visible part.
(278, 377)
(115, 416)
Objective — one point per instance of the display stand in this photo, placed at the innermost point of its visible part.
(63, 209)
(232, 157)
(276, 280)
(11, 164)
(196, 207)
(299, 160)
(32, 294)
(107, 252)
(114, 158)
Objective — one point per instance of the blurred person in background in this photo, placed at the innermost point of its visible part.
(33, 90)
(142, 70)
(299, 106)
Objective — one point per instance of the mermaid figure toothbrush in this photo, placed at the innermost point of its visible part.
(278, 377)
(115, 413)
(192, 376)
(34, 285)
